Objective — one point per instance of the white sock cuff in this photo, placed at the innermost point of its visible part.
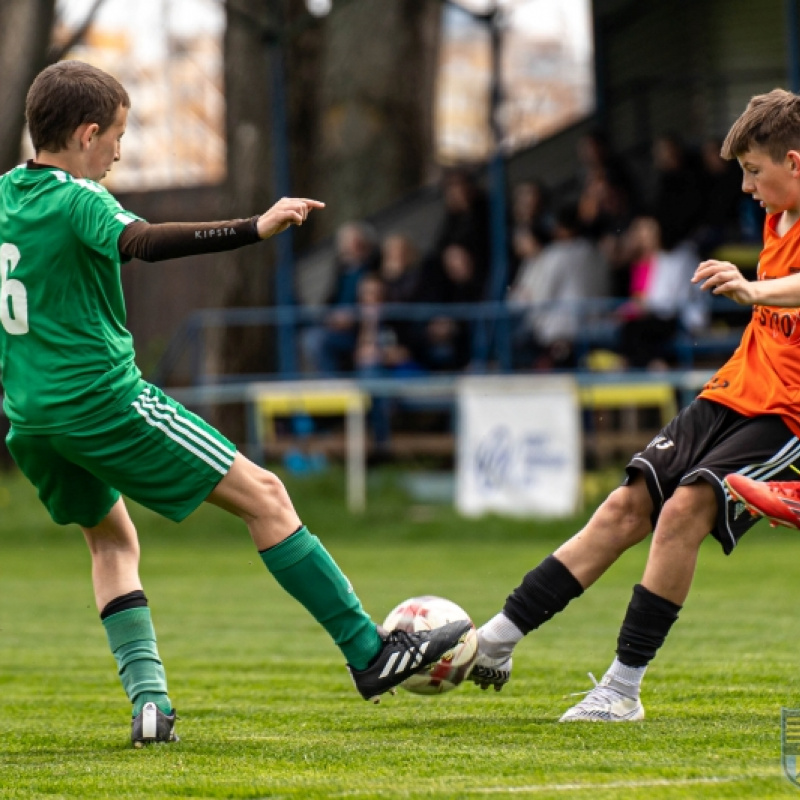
(625, 679)
(498, 636)
(501, 628)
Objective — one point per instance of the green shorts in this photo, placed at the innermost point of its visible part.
(154, 451)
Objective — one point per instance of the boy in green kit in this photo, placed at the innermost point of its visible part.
(85, 427)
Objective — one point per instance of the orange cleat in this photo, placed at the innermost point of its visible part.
(778, 501)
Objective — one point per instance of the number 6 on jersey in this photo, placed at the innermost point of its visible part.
(13, 297)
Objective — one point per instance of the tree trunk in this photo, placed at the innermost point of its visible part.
(25, 29)
(373, 137)
(359, 87)
(244, 277)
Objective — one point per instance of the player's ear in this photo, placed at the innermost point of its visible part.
(86, 133)
(794, 162)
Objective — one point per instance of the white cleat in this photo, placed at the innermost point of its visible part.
(604, 704)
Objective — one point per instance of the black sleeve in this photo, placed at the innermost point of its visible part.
(175, 239)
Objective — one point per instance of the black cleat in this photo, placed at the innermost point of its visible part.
(153, 725)
(404, 654)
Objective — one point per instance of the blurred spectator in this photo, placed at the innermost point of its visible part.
(603, 206)
(664, 301)
(328, 348)
(376, 347)
(445, 343)
(530, 219)
(525, 247)
(722, 200)
(605, 213)
(400, 273)
(664, 254)
(677, 199)
(549, 288)
(466, 223)
(399, 269)
(608, 201)
(462, 279)
(645, 242)
(379, 353)
(597, 159)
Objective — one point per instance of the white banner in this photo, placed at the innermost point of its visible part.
(519, 446)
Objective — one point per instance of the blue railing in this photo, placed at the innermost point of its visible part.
(490, 325)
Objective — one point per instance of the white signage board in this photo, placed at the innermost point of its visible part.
(519, 446)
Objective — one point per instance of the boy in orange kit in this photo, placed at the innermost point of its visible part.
(763, 374)
(746, 420)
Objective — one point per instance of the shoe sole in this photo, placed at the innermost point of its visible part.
(637, 717)
(493, 677)
(140, 744)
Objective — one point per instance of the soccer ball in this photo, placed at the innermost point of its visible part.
(425, 613)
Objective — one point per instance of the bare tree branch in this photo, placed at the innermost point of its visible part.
(57, 52)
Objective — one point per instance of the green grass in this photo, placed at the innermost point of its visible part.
(267, 709)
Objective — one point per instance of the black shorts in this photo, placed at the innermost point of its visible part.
(708, 441)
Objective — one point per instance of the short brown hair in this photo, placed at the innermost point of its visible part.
(66, 95)
(770, 122)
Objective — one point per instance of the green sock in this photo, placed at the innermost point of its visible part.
(133, 642)
(305, 569)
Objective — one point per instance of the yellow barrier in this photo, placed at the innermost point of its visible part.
(631, 395)
(319, 399)
(330, 404)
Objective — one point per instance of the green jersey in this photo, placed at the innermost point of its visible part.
(66, 358)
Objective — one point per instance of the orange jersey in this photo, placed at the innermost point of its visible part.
(763, 374)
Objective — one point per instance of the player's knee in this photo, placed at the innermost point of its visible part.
(688, 516)
(627, 511)
(272, 495)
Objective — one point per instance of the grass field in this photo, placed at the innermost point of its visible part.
(267, 709)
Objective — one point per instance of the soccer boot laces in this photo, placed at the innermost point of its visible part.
(604, 704)
(488, 671)
(403, 654)
(151, 725)
(778, 501)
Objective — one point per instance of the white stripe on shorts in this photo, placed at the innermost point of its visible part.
(180, 430)
(226, 455)
(779, 462)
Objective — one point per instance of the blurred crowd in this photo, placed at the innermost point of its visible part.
(619, 246)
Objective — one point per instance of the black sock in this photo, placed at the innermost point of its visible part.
(134, 599)
(544, 591)
(646, 625)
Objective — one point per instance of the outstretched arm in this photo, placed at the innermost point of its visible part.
(177, 239)
(722, 277)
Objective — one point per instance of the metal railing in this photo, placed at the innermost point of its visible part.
(490, 324)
